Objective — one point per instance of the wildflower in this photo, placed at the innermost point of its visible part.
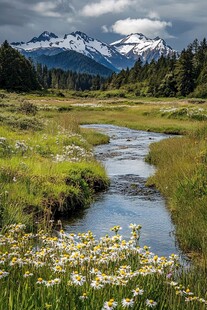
(172, 283)
(59, 269)
(116, 228)
(135, 227)
(127, 302)
(137, 291)
(169, 275)
(191, 298)
(202, 300)
(3, 274)
(96, 285)
(151, 303)
(188, 292)
(83, 297)
(27, 274)
(78, 279)
(49, 283)
(111, 304)
(40, 281)
(57, 281)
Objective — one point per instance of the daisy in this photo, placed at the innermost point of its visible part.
(83, 297)
(109, 305)
(78, 279)
(137, 292)
(3, 274)
(27, 274)
(151, 303)
(40, 281)
(127, 302)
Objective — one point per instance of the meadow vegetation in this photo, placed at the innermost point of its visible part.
(181, 177)
(47, 168)
(79, 272)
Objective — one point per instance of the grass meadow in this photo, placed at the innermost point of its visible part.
(47, 169)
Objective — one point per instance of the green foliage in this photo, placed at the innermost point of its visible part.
(185, 75)
(28, 108)
(16, 72)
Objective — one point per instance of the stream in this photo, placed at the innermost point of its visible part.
(128, 200)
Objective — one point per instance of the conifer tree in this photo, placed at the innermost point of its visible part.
(16, 72)
(184, 73)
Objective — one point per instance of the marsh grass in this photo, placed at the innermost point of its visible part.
(181, 177)
(94, 137)
(44, 171)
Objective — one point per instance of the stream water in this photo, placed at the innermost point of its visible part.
(128, 200)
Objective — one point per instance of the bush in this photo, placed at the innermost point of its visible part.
(28, 108)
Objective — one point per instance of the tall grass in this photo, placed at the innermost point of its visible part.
(181, 177)
(47, 172)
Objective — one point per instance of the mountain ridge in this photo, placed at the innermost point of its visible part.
(137, 45)
(116, 56)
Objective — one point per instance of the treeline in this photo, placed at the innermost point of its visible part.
(20, 74)
(60, 79)
(168, 77)
(185, 75)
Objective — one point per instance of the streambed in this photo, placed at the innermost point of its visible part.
(128, 200)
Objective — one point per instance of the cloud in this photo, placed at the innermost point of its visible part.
(56, 8)
(12, 15)
(153, 15)
(46, 9)
(106, 6)
(148, 27)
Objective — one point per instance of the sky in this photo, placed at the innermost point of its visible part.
(178, 22)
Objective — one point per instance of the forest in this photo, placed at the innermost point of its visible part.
(177, 76)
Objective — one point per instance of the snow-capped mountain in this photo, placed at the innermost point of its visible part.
(50, 44)
(136, 45)
(115, 56)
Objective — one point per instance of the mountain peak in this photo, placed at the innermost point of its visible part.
(82, 35)
(137, 45)
(45, 36)
(116, 56)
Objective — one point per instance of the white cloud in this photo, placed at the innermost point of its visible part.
(46, 9)
(106, 6)
(148, 27)
(153, 15)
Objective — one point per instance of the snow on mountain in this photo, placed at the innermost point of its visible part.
(76, 41)
(115, 56)
(136, 45)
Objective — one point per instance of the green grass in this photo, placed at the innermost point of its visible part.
(44, 171)
(181, 177)
(47, 168)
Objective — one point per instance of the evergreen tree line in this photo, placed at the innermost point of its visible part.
(20, 74)
(168, 77)
(60, 79)
(172, 76)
